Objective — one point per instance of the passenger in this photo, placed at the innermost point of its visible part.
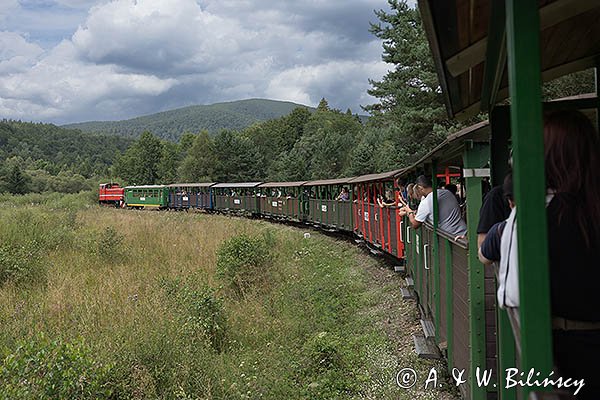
(409, 192)
(386, 200)
(494, 209)
(344, 195)
(402, 187)
(489, 250)
(450, 220)
(451, 187)
(572, 163)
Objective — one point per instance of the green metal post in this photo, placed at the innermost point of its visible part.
(449, 305)
(476, 155)
(506, 354)
(523, 43)
(435, 251)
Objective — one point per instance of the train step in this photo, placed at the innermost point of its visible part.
(359, 241)
(426, 348)
(407, 294)
(375, 252)
(428, 328)
(409, 282)
(400, 269)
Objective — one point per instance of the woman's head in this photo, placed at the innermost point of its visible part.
(572, 162)
(571, 149)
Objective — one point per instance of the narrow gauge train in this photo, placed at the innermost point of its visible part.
(484, 52)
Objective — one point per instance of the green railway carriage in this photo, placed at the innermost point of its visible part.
(485, 52)
(190, 195)
(460, 315)
(321, 207)
(240, 197)
(281, 200)
(149, 196)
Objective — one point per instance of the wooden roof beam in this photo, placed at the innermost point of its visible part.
(550, 15)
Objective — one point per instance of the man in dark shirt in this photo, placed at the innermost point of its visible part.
(494, 209)
(493, 219)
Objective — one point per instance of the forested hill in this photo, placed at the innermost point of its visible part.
(170, 125)
(44, 157)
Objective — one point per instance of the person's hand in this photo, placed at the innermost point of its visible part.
(402, 211)
(461, 237)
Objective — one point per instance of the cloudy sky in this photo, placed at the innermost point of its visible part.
(66, 61)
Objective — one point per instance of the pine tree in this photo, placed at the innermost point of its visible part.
(16, 181)
(409, 95)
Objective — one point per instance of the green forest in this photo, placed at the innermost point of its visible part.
(407, 120)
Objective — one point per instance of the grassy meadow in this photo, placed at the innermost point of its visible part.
(117, 304)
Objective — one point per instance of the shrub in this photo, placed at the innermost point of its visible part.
(327, 368)
(201, 312)
(21, 263)
(243, 261)
(108, 244)
(42, 369)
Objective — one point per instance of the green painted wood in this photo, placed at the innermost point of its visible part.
(419, 262)
(449, 305)
(523, 41)
(435, 251)
(476, 155)
(147, 197)
(506, 354)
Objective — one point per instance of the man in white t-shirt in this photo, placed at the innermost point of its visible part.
(450, 220)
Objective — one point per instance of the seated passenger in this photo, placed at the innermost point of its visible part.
(409, 191)
(344, 195)
(489, 250)
(450, 220)
(386, 200)
(572, 163)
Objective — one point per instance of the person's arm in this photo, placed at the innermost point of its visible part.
(482, 258)
(489, 251)
(410, 213)
(480, 239)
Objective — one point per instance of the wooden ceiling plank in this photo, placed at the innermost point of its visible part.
(550, 15)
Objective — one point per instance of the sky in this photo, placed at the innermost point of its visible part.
(64, 61)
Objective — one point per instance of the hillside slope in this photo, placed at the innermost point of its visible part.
(56, 147)
(172, 124)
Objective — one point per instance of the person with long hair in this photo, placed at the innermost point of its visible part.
(572, 163)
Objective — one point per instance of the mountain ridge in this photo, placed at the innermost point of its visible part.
(171, 124)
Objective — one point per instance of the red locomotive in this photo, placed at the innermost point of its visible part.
(111, 194)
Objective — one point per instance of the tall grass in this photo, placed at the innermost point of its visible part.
(137, 295)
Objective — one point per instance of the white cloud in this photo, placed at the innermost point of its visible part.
(16, 53)
(57, 85)
(6, 7)
(170, 36)
(334, 81)
(129, 57)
